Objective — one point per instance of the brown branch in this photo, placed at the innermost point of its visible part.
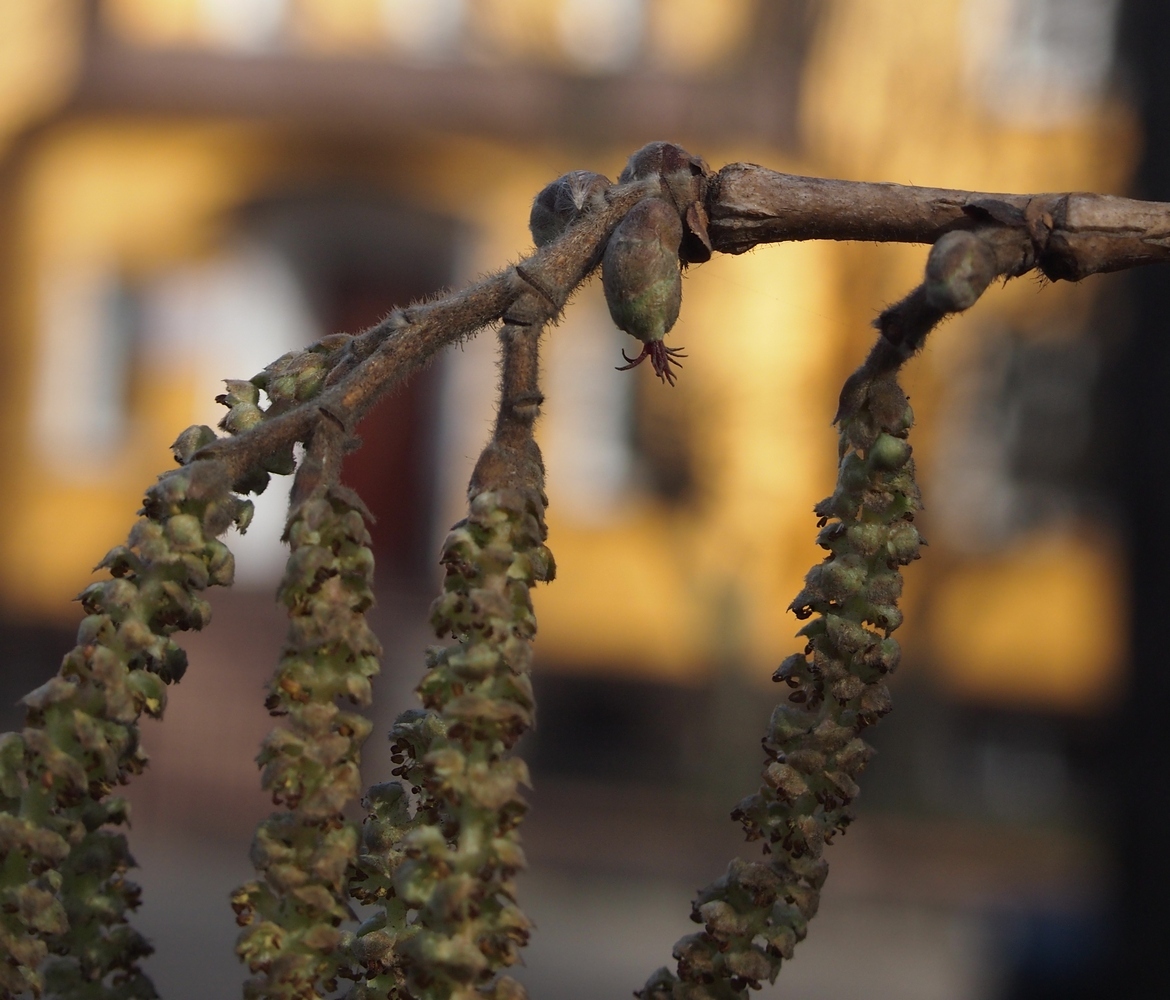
(1074, 235)
(386, 354)
(1065, 236)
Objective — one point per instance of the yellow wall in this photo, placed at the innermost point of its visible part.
(657, 591)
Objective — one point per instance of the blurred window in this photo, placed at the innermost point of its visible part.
(1039, 62)
(1016, 440)
(424, 27)
(357, 253)
(586, 433)
(227, 318)
(247, 25)
(602, 36)
(86, 349)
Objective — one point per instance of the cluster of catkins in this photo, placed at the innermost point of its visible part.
(756, 913)
(293, 912)
(64, 894)
(438, 852)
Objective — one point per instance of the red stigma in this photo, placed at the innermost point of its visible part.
(661, 357)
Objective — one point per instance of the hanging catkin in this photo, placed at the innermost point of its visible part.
(443, 876)
(758, 911)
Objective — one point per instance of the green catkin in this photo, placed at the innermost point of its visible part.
(291, 379)
(292, 914)
(64, 894)
(443, 876)
(758, 911)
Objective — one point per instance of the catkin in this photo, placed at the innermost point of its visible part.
(443, 875)
(292, 914)
(754, 915)
(64, 895)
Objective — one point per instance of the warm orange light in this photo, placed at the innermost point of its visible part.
(1043, 624)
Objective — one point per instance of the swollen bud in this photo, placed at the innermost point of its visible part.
(564, 201)
(642, 280)
(960, 267)
(684, 177)
(889, 452)
(640, 271)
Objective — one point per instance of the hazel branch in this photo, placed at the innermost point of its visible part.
(380, 358)
(65, 895)
(1073, 235)
(1065, 236)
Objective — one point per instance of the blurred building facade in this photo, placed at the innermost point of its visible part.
(192, 187)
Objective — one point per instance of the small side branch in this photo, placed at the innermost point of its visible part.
(385, 355)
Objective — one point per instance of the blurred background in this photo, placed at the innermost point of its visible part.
(190, 188)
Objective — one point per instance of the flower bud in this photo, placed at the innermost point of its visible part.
(640, 271)
(684, 177)
(889, 452)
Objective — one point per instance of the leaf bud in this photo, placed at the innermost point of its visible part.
(960, 267)
(685, 179)
(564, 201)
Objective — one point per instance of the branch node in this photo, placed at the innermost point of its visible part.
(554, 300)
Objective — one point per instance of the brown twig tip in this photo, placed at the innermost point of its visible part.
(661, 357)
